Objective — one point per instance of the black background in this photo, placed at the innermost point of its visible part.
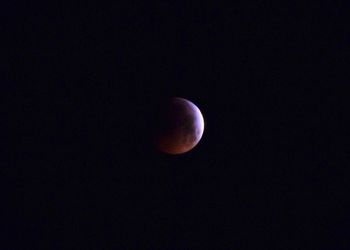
(80, 85)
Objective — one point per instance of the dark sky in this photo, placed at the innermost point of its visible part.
(81, 83)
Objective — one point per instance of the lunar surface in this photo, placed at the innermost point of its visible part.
(180, 126)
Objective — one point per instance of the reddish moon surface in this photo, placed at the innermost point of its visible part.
(180, 126)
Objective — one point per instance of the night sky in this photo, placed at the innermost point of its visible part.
(80, 86)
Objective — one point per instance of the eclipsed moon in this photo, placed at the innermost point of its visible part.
(180, 126)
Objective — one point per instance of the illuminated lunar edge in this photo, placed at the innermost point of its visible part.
(199, 122)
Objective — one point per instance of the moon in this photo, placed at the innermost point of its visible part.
(180, 126)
